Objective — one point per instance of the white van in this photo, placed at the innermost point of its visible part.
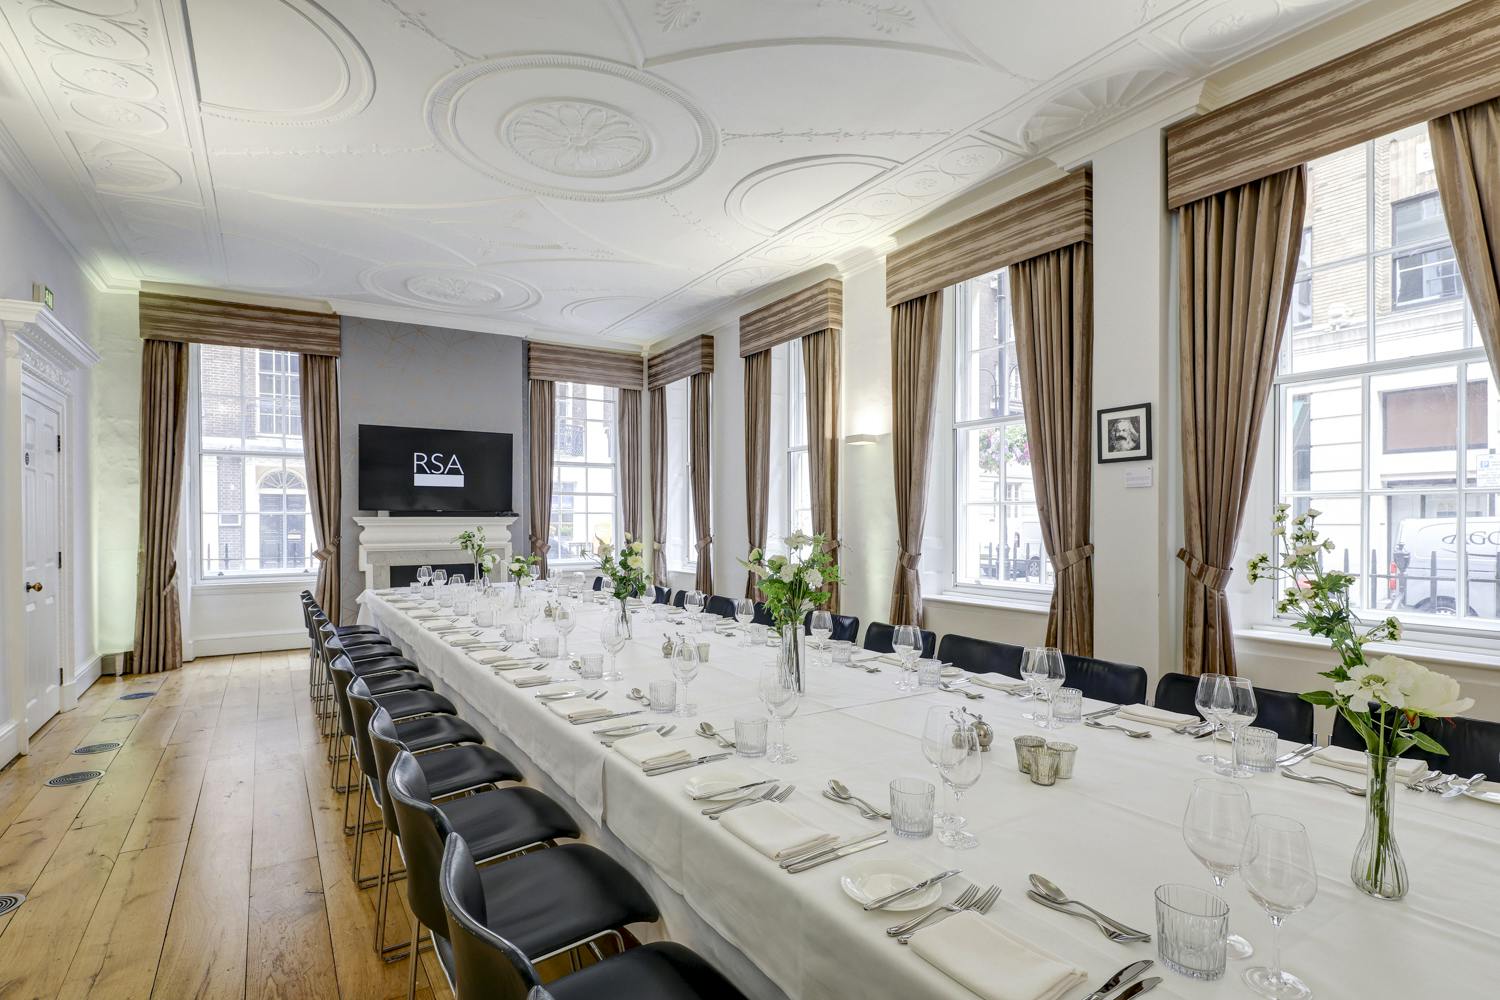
(1426, 562)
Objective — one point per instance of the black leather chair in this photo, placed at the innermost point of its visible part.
(1473, 745)
(486, 966)
(878, 636)
(663, 595)
(1282, 711)
(598, 583)
(679, 599)
(545, 903)
(721, 606)
(762, 616)
(1102, 680)
(980, 656)
(845, 627)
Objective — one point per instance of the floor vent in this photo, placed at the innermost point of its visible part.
(97, 748)
(137, 695)
(73, 778)
(9, 901)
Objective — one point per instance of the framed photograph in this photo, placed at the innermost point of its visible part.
(1124, 433)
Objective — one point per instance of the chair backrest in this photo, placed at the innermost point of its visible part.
(878, 636)
(422, 829)
(1283, 712)
(721, 606)
(1102, 680)
(663, 595)
(679, 599)
(486, 966)
(1473, 745)
(845, 627)
(342, 672)
(598, 583)
(762, 615)
(362, 706)
(980, 656)
(385, 744)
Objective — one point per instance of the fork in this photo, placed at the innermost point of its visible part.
(771, 794)
(1430, 782)
(979, 904)
(1315, 779)
(961, 902)
(1135, 734)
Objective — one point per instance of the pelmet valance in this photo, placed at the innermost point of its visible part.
(1446, 63)
(561, 363)
(691, 357)
(1053, 216)
(811, 310)
(184, 319)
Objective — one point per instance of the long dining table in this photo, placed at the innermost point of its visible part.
(1109, 835)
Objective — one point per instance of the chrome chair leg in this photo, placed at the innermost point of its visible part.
(411, 983)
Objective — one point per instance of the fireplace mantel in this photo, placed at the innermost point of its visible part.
(386, 541)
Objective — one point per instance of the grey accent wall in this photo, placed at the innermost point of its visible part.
(426, 376)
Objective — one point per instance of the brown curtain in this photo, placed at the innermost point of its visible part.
(1466, 155)
(543, 416)
(629, 419)
(821, 369)
(659, 486)
(1238, 259)
(699, 425)
(1053, 305)
(320, 443)
(757, 455)
(916, 336)
(163, 433)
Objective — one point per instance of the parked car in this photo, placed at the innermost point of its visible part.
(1424, 566)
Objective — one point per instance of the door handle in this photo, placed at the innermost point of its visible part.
(37, 587)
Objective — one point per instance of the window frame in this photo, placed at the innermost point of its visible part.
(681, 524)
(613, 465)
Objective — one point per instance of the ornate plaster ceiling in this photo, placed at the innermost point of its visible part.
(599, 168)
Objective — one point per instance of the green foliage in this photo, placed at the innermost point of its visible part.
(625, 570)
(794, 584)
(472, 542)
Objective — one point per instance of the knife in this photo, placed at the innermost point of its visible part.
(669, 768)
(1296, 755)
(1129, 974)
(1111, 710)
(803, 866)
(887, 900)
(603, 718)
(810, 855)
(736, 788)
(1143, 986)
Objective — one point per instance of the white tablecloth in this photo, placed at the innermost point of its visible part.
(1109, 836)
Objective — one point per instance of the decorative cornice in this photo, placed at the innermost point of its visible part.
(36, 323)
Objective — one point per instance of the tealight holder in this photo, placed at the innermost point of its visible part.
(1026, 748)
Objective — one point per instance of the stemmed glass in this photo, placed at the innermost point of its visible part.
(527, 609)
(1214, 828)
(906, 641)
(612, 635)
(959, 764)
(424, 574)
(744, 614)
(1278, 868)
(1043, 669)
(565, 619)
(439, 579)
(820, 627)
(1234, 700)
(685, 667)
(935, 733)
(693, 602)
(1205, 701)
(778, 692)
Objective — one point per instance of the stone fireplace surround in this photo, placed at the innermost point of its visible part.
(386, 541)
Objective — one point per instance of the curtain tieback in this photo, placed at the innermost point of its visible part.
(1073, 557)
(704, 543)
(171, 583)
(1213, 577)
(329, 550)
(911, 561)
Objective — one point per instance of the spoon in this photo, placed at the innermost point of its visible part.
(841, 791)
(636, 694)
(707, 731)
(1049, 889)
(971, 695)
(1459, 787)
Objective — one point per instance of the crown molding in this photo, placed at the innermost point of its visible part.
(19, 315)
(360, 309)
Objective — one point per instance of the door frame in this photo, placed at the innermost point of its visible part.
(39, 355)
(48, 394)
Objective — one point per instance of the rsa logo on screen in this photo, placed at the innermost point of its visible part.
(436, 469)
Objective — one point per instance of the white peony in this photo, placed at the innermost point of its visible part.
(814, 579)
(1425, 691)
(798, 540)
(788, 572)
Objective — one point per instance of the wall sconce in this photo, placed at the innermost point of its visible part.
(859, 439)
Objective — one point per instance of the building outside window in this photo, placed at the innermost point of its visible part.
(1387, 418)
(788, 481)
(998, 541)
(252, 513)
(585, 506)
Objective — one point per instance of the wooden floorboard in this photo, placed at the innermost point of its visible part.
(208, 862)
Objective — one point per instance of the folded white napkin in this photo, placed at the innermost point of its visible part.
(773, 831)
(527, 679)
(652, 750)
(465, 641)
(424, 615)
(580, 709)
(992, 962)
(1354, 760)
(862, 656)
(1153, 716)
(998, 682)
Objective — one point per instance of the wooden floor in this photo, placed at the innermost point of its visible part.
(209, 861)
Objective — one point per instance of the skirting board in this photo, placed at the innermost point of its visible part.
(10, 744)
(244, 642)
(83, 678)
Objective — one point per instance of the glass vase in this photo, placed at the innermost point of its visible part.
(792, 658)
(624, 613)
(1378, 869)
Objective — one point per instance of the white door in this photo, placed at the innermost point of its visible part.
(41, 429)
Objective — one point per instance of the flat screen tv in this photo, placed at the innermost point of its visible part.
(426, 470)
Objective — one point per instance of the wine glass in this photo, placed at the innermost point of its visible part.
(778, 692)
(424, 574)
(685, 665)
(694, 601)
(1043, 669)
(612, 635)
(529, 606)
(906, 642)
(456, 580)
(565, 619)
(1277, 865)
(439, 577)
(744, 614)
(1204, 701)
(820, 628)
(959, 764)
(935, 732)
(1214, 828)
(1234, 700)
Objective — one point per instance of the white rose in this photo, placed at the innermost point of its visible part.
(1425, 691)
(814, 579)
(798, 540)
(788, 572)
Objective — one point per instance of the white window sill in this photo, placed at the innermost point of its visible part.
(256, 584)
(570, 564)
(998, 602)
(1419, 649)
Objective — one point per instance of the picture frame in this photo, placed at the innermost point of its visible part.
(1123, 433)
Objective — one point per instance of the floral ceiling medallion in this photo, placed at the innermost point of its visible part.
(576, 138)
(452, 290)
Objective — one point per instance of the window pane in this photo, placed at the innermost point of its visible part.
(1414, 428)
(1419, 304)
(984, 386)
(1322, 442)
(1482, 534)
(1335, 334)
(1336, 205)
(1407, 207)
(801, 495)
(1483, 429)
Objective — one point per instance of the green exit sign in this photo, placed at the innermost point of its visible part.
(42, 294)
